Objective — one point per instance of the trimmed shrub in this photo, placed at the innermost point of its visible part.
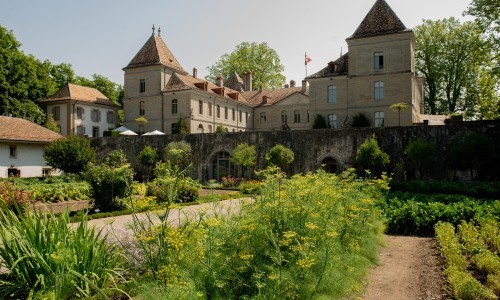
(279, 156)
(421, 154)
(319, 122)
(147, 156)
(360, 120)
(70, 154)
(371, 157)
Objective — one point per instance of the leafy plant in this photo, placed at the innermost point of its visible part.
(70, 154)
(116, 158)
(279, 156)
(421, 154)
(360, 120)
(319, 122)
(147, 156)
(221, 129)
(46, 258)
(371, 157)
(178, 153)
(244, 156)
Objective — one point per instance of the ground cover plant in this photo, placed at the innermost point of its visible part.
(310, 236)
(472, 258)
(43, 258)
(53, 189)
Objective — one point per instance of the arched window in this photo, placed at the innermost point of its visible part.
(332, 121)
(200, 128)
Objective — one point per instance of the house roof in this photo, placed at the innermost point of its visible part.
(380, 20)
(339, 67)
(80, 93)
(155, 52)
(271, 97)
(235, 82)
(16, 129)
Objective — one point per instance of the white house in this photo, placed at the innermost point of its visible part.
(21, 148)
(80, 110)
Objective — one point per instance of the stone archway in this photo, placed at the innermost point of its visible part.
(329, 164)
(221, 166)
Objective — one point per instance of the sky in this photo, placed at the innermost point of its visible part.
(102, 36)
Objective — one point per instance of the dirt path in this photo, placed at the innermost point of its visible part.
(410, 268)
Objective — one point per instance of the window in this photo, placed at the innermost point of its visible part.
(200, 107)
(246, 117)
(308, 118)
(225, 112)
(175, 128)
(240, 115)
(263, 118)
(141, 108)
(79, 113)
(379, 90)
(378, 60)
(233, 114)
(56, 113)
(200, 128)
(218, 111)
(142, 85)
(95, 131)
(209, 128)
(332, 94)
(80, 130)
(12, 151)
(379, 119)
(332, 121)
(174, 106)
(46, 172)
(110, 117)
(296, 116)
(284, 117)
(95, 115)
(209, 109)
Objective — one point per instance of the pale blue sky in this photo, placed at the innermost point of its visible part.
(102, 36)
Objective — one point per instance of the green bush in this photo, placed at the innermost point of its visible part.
(489, 190)
(147, 156)
(360, 120)
(319, 122)
(421, 154)
(250, 187)
(371, 157)
(116, 158)
(279, 156)
(109, 185)
(70, 154)
(244, 156)
(169, 189)
(178, 154)
(47, 259)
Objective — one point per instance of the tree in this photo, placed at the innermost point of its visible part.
(487, 13)
(244, 156)
(220, 129)
(371, 157)
(451, 56)
(113, 91)
(360, 120)
(148, 156)
(71, 154)
(178, 153)
(402, 106)
(260, 59)
(141, 121)
(319, 122)
(182, 127)
(421, 154)
(279, 156)
(51, 124)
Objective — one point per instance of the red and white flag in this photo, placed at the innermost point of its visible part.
(307, 59)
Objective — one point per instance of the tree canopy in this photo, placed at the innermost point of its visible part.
(25, 81)
(457, 64)
(260, 59)
(71, 154)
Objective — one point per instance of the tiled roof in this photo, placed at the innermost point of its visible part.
(235, 82)
(339, 67)
(80, 93)
(155, 52)
(380, 20)
(188, 82)
(271, 97)
(16, 129)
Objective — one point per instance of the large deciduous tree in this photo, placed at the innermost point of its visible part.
(454, 58)
(260, 59)
(113, 91)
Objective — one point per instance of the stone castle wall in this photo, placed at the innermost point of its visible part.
(310, 146)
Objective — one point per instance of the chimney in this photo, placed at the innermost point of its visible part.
(304, 86)
(248, 81)
(286, 86)
(195, 73)
(292, 83)
(219, 80)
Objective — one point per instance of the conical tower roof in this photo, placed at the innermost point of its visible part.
(380, 20)
(155, 52)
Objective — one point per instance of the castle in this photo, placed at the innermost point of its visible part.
(378, 71)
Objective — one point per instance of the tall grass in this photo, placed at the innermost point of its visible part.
(307, 237)
(43, 258)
